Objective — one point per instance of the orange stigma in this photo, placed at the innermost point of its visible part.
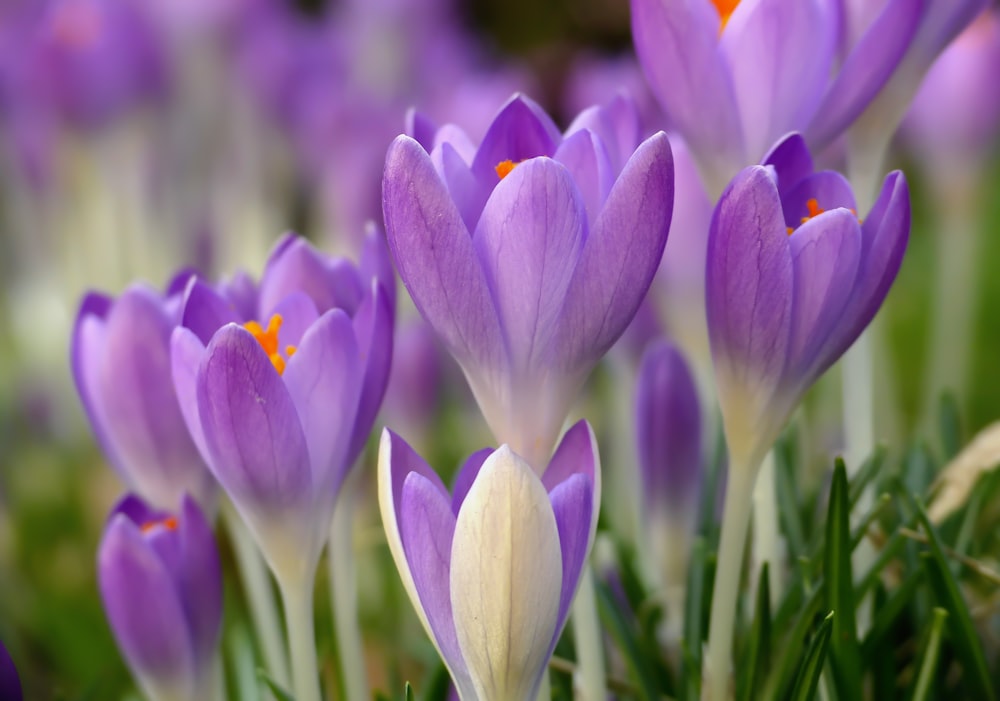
(268, 340)
(503, 168)
(170, 523)
(725, 9)
(812, 204)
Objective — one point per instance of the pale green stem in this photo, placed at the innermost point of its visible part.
(591, 678)
(928, 664)
(243, 667)
(344, 595)
(260, 598)
(296, 595)
(735, 521)
(767, 544)
(545, 687)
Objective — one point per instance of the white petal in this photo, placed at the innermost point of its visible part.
(506, 576)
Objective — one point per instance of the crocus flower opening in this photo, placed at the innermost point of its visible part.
(280, 412)
(793, 277)
(161, 583)
(120, 357)
(10, 682)
(529, 255)
(493, 567)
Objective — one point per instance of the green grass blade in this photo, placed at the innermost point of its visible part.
(929, 658)
(812, 664)
(698, 582)
(623, 632)
(409, 692)
(757, 655)
(845, 651)
(279, 692)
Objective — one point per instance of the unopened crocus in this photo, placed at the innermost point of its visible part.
(161, 584)
(10, 682)
(492, 567)
(669, 440)
(733, 76)
(793, 278)
(121, 364)
(528, 254)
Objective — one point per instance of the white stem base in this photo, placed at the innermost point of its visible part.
(590, 680)
(768, 546)
(297, 598)
(344, 596)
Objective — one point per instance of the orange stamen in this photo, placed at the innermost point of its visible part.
(503, 168)
(268, 340)
(725, 9)
(170, 523)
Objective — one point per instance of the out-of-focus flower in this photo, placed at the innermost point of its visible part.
(793, 277)
(735, 76)
(596, 79)
(954, 118)
(10, 683)
(530, 254)
(492, 568)
(161, 584)
(280, 404)
(120, 357)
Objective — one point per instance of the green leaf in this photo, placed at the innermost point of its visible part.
(279, 692)
(788, 501)
(840, 588)
(963, 633)
(888, 612)
(929, 657)
(437, 687)
(782, 674)
(756, 659)
(408, 693)
(620, 628)
(812, 664)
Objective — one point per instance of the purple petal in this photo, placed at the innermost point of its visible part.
(573, 506)
(204, 311)
(324, 382)
(829, 188)
(865, 70)
(298, 267)
(10, 683)
(186, 352)
(521, 130)
(298, 313)
(468, 193)
(136, 510)
(528, 242)
(791, 161)
(404, 460)
(86, 360)
(201, 580)
(142, 606)
(620, 256)
(585, 157)
(617, 126)
(466, 476)
(434, 256)
(677, 45)
(749, 279)
(826, 251)
(375, 263)
(779, 54)
(421, 128)
(373, 327)
(575, 454)
(252, 429)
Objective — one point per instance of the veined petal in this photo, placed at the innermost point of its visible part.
(779, 54)
(585, 157)
(619, 258)
(521, 130)
(86, 356)
(434, 256)
(200, 581)
(573, 507)
(616, 124)
(528, 242)
(466, 191)
(506, 578)
(252, 429)
(373, 328)
(204, 311)
(186, 352)
(323, 379)
(295, 266)
(467, 476)
(791, 161)
(826, 189)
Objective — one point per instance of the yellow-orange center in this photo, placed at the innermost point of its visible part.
(725, 9)
(812, 204)
(170, 523)
(268, 340)
(503, 168)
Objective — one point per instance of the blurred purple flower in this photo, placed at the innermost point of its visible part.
(280, 404)
(530, 253)
(10, 683)
(161, 584)
(493, 567)
(120, 357)
(793, 277)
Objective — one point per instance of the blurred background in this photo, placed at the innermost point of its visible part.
(141, 137)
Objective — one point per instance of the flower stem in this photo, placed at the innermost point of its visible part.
(256, 584)
(296, 595)
(735, 521)
(767, 546)
(591, 678)
(344, 596)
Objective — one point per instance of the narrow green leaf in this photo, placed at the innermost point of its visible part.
(946, 591)
(888, 612)
(840, 588)
(623, 632)
(782, 674)
(889, 552)
(436, 688)
(929, 657)
(409, 692)
(788, 502)
(279, 692)
(812, 664)
(756, 659)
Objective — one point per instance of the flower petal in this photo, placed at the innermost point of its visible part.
(828, 188)
(86, 359)
(186, 352)
(298, 313)
(373, 328)
(204, 311)
(468, 193)
(521, 130)
(295, 266)
(528, 242)
(616, 123)
(587, 160)
(619, 258)
(506, 578)
(791, 161)
(573, 507)
(200, 580)
(467, 476)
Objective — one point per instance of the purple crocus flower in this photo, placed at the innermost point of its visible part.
(161, 583)
(10, 683)
(529, 255)
(120, 357)
(793, 277)
(493, 567)
(735, 76)
(280, 403)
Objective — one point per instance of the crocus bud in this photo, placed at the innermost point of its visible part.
(493, 567)
(161, 584)
(10, 683)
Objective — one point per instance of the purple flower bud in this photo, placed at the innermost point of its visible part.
(161, 585)
(493, 567)
(793, 278)
(10, 683)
